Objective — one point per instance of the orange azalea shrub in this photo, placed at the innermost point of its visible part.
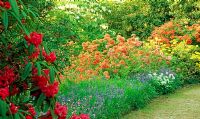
(171, 30)
(107, 57)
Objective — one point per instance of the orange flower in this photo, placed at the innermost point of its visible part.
(80, 69)
(115, 71)
(96, 61)
(106, 74)
(107, 36)
(105, 64)
(122, 62)
(188, 41)
(120, 39)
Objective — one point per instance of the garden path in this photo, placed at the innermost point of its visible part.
(183, 104)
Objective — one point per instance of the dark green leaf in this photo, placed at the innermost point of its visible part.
(16, 116)
(52, 74)
(46, 107)
(40, 100)
(5, 19)
(31, 49)
(27, 71)
(14, 7)
(38, 68)
(3, 108)
(46, 48)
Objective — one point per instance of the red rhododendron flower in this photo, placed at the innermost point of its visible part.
(46, 71)
(31, 110)
(34, 38)
(34, 55)
(81, 116)
(7, 5)
(23, 21)
(25, 86)
(29, 117)
(13, 108)
(15, 90)
(74, 116)
(1, 3)
(4, 92)
(7, 76)
(49, 58)
(41, 81)
(34, 71)
(60, 111)
(50, 90)
(84, 116)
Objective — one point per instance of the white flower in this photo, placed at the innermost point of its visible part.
(171, 76)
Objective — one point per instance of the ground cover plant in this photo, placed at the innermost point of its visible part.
(56, 64)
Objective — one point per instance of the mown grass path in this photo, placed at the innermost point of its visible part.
(183, 104)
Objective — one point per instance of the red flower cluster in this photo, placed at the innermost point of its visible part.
(60, 111)
(7, 76)
(32, 112)
(51, 57)
(5, 4)
(34, 55)
(29, 117)
(13, 108)
(4, 93)
(34, 38)
(81, 116)
(50, 90)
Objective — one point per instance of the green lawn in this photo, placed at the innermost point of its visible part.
(184, 104)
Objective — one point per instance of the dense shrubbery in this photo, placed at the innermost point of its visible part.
(106, 58)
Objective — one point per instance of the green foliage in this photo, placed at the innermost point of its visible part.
(106, 99)
(136, 17)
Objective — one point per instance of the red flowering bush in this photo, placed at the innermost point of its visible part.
(28, 71)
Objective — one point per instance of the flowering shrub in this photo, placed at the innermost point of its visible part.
(179, 42)
(196, 57)
(173, 31)
(108, 57)
(28, 70)
(164, 82)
